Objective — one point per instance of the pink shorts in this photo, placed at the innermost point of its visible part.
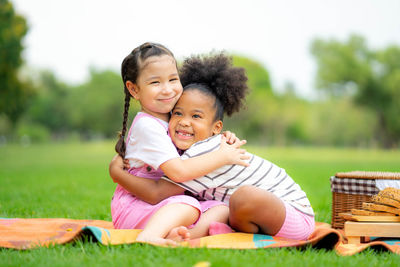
(129, 212)
(297, 225)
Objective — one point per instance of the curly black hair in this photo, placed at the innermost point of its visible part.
(214, 74)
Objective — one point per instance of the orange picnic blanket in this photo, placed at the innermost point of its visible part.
(18, 233)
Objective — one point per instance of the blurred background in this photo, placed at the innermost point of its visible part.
(321, 73)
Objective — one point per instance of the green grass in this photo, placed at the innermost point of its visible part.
(71, 181)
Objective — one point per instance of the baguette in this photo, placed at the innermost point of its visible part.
(370, 213)
(385, 200)
(390, 192)
(380, 207)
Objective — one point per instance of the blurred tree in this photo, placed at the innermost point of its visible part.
(250, 122)
(268, 118)
(372, 78)
(49, 107)
(13, 94)
(339, 122)
(96, 107)
(258, 76)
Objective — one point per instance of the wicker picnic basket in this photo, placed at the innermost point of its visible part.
(351, 189)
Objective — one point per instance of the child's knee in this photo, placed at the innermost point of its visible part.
(240, 201)
(240, 207)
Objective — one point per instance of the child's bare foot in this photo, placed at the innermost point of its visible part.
(155, 240)
(180, 233)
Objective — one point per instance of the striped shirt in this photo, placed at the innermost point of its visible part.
(221, 183)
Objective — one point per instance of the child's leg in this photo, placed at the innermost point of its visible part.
(255, 210)
(165, 219)
(218, 213)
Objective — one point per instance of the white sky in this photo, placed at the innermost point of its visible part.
(69, 36)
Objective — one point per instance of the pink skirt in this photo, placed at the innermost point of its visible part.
(129, 212)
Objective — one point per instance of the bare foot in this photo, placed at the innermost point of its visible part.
(178, 234)
(155, 240)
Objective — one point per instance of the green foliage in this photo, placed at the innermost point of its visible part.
(372, 78)
(252, 122)
(92, 109)
(35, 133)
(341, 64)
(5, 126)
(258, 76)
(362, 109)
(97, 105)
(340, 123)
(49, 107)
(13, 94)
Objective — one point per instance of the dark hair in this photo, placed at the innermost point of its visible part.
(215, 75)
(130, 70)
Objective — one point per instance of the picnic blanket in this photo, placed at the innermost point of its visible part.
(18, 233)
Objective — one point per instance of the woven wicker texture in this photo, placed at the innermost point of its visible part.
(369, 175)
(344, 202)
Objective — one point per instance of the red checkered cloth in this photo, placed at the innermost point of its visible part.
(354, 186)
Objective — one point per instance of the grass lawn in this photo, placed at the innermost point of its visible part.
(71, 181)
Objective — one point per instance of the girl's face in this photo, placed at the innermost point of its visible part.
(157, 87)
(192, 119)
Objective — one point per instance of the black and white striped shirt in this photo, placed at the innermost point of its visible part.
(221, 183)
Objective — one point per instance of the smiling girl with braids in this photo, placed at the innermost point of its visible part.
(262, 197)
(150, 75)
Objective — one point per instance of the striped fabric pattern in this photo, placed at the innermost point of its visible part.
(221, 183)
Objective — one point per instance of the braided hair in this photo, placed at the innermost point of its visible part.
(215, 75)
(130, 71)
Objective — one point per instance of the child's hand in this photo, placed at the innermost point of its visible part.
(116, 163)
(233, 153)
(126, 164)
(232, 138)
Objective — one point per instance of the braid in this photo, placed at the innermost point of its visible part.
(121, 146)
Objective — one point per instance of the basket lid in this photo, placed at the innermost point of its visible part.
(369, 175)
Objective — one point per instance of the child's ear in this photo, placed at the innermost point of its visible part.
(133, 89)
(217, 128)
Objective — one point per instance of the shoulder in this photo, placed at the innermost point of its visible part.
(147, 128)
(207, 145)
(149, 124)
(150, 121)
